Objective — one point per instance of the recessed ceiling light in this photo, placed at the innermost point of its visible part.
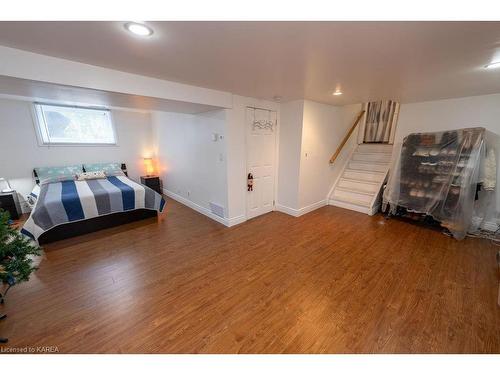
(337, 93)
(138, 29)
(493, 65)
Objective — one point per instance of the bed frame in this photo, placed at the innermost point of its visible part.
(78, 228)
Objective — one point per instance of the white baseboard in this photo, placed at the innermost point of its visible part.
(194, 206)
(232, 221)
(287, 210)
(228, 222)
(302, 211)
(312, 207)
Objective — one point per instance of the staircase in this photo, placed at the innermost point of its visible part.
(359, 185)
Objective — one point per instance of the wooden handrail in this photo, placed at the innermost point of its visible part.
(346, 138)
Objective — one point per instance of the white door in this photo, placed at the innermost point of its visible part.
(261, 154)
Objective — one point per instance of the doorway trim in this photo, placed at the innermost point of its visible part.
(276, 109)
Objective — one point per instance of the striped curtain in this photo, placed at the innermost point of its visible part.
(381, 118)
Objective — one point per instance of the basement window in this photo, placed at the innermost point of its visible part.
(70, 125)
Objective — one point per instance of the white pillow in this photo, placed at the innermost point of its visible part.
(90, 175)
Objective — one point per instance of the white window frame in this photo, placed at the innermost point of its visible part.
(41, 126)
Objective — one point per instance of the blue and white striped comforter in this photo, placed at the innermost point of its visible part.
(67, 201)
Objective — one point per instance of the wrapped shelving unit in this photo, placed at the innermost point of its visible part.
(437, 175)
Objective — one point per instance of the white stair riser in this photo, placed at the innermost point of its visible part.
(387, 149)
(361, 180)
(363, 176)
(352, 207)
(352, 197)
(368, 166)
(376, 157)
(358, 186)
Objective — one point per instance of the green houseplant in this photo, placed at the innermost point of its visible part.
(16, 251)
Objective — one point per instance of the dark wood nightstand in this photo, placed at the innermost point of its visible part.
(9, 202)
(152, 182)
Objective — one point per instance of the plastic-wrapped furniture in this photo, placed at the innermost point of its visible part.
(438, 175)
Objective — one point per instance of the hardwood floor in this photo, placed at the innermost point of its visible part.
(332, 281)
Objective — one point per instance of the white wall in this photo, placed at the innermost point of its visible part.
(483, 111)
(191, 161)
(324, 127)
(192, 166)
(208, 179)
(309, 135)
(290, 142)
(448, 114)
(20, 151)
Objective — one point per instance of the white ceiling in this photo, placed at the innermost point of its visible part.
(406, 61)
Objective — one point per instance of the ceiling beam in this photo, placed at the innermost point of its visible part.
(27, 65)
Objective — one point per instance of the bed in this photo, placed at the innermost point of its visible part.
(66, 208)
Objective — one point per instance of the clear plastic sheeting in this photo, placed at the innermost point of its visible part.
(437, 174)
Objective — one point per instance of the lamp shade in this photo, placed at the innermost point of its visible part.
(148, 163)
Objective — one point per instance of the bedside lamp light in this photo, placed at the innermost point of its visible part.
(5, 186)
(148, 162)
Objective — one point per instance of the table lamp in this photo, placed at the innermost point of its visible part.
(148, 162)
(5, 186)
